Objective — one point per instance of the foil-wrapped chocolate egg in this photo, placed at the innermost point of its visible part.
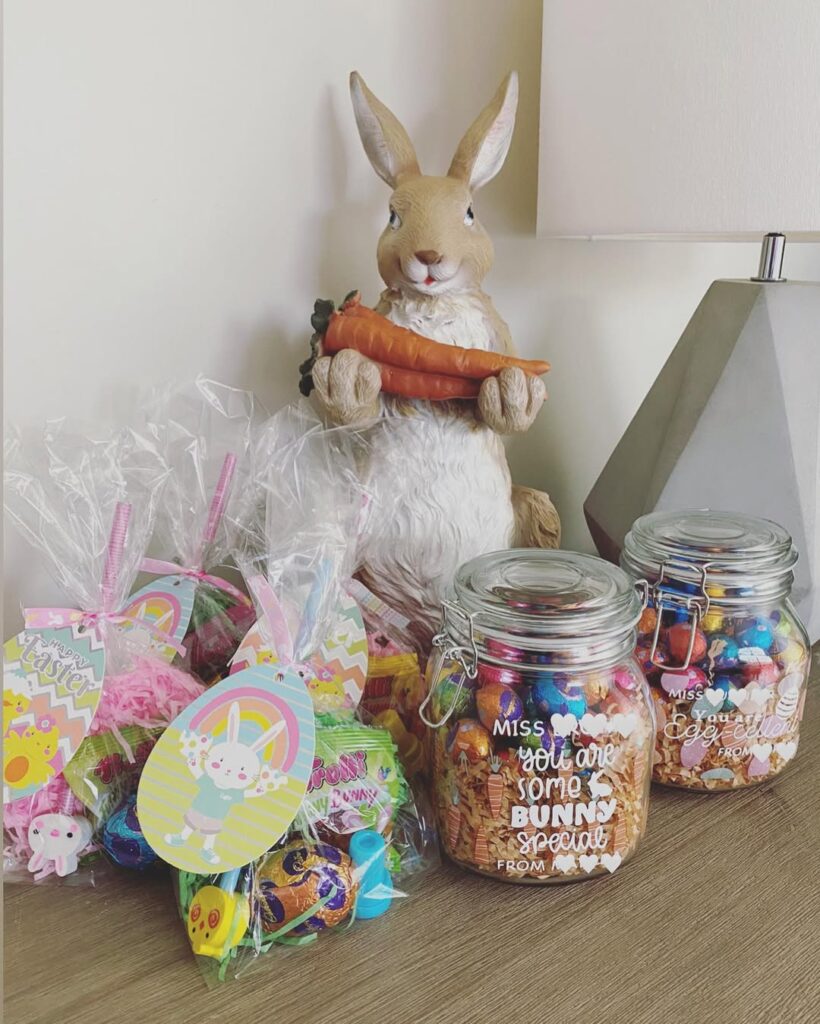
(559, 695)
(647, 621)
(678, 639)
(497, 702)
(122, 838)
(469, 738)
(300, 876)
(755, 632)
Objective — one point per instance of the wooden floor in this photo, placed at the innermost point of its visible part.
(717, 919)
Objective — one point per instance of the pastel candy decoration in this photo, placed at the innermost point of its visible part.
(773, 726)
(758, 767)
(692, 753)
(497, 702)
(718, 775)
(56, 840)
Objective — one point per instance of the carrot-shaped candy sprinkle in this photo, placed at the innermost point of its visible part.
(495, 786)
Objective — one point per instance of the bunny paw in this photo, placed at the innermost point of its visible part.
(509, 403)
(347, 386)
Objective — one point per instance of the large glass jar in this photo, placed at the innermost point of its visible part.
(726, 656)
(541, 718)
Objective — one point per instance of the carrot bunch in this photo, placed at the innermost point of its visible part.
(411, 365)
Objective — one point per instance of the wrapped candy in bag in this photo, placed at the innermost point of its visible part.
(320, 828)
(84, 696)
(203, 431)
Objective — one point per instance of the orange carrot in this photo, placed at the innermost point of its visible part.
(434, 388)
(358, 327)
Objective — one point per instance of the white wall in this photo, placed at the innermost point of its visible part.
(183, 179)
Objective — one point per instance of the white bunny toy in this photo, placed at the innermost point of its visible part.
(227, 773)
(441, 483)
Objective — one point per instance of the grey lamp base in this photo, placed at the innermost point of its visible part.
(732, 422)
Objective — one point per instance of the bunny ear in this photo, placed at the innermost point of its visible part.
(275, 621)
(233, 722)
(484, 147)
(267, 736)
(385, 141)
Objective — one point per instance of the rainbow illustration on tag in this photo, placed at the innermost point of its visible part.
(339, 668)
(226, 778)
(52, 681)
(167, 604)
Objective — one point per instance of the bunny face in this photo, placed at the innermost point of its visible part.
(57, 835)
(232, 765)
(433, 242)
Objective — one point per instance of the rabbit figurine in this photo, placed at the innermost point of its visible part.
(440, 479)
(227, 773)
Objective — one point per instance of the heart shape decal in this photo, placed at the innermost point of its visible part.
(624, 724)
(611, 861)
(786, 750)
(563, 725)
(593, 725)
(761, 751)
(588, 861)
(564, 862)
(715, 697)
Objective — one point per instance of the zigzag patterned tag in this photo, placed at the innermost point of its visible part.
(52, 681)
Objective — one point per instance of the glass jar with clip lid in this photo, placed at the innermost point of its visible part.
(725, 653)
(541, 719)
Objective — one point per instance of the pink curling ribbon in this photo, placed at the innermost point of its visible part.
(159, 567)
(275, 623)
(51, 618)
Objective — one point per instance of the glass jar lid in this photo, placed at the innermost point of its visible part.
(523, 603)
(731, 556)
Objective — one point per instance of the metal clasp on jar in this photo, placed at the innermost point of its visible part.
(466, 656)
(697, 605)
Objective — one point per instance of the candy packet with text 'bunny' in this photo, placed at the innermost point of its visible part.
(204, 433)
(84, 697)
(351, 831)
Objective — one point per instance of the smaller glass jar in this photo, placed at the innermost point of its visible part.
(725, 654)
(541, 719)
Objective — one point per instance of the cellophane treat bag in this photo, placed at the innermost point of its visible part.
(203, 431)
(395, 685)
(357, 835)
(84, 696)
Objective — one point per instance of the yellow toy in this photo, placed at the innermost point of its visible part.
(411, 751)
(218, 917)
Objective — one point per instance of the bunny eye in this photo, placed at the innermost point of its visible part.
(469, 217)
(394, 220)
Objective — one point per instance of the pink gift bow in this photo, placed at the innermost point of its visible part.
(52, 618)
(161, 568)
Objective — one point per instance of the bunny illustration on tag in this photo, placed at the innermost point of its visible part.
(227, 773)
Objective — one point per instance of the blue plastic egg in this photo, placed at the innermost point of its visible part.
(558, 696)
(123, 840)
(755, 632)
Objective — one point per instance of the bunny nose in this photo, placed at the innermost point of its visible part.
(54, 832)
(428, 256)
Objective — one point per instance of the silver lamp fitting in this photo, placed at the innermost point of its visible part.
(771, 258)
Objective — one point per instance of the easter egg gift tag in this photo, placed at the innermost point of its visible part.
(336, 674)
(52, 681)
(162, 609)
(227, 777)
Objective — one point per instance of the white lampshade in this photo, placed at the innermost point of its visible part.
(690, 118)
